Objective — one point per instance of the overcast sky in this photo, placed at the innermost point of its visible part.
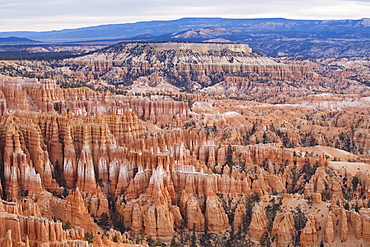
(43, 15)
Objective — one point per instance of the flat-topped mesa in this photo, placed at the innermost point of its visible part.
(195, 47)
(187, 66)
(147, 56)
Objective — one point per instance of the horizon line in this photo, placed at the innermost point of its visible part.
(182, 18)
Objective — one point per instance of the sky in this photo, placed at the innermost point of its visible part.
(46, 15)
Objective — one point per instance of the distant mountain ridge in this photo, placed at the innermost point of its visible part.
(16, 40)
(128, 30)
(272, 36)
(292, 43)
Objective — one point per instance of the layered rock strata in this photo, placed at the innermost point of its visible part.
(88, 162)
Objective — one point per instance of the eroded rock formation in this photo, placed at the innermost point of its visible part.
(81, 167)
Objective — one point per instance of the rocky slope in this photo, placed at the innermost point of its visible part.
(219, 69)
(232, 70)
(80, 168)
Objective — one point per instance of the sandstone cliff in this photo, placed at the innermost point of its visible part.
(79, 166)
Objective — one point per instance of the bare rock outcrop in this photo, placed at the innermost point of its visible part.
(258, 225)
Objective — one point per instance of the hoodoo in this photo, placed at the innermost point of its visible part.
(157, 143)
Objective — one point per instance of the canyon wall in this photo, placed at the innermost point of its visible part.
(188, 66)
(77, 164)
